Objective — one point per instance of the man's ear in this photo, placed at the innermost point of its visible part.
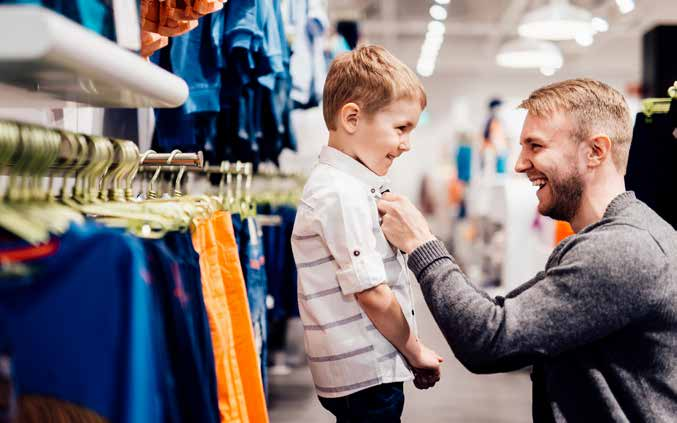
(599, 150)
(349, 117)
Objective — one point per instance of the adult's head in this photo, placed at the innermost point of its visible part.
(576, 138)
(371, 103)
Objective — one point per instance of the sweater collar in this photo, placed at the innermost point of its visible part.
(619, 203)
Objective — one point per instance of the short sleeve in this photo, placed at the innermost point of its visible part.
(347, 225)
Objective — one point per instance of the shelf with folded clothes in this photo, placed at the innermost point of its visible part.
(45, 56)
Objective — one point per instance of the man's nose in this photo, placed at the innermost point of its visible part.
(523, 164)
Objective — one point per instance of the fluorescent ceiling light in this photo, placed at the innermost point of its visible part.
(557, 21)
(599, 24)
(438, 12)
(442, 1)
(625, 6)
(548, 71)
(584, 39)
(525, 53)
(425, 71)
(436, 27)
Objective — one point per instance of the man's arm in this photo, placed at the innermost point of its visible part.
(383, 309)
(597, 288)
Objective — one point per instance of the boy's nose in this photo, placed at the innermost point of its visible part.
(404, 146)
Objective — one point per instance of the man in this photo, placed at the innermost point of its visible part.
(599, 325)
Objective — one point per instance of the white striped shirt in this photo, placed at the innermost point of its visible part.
(340, 250)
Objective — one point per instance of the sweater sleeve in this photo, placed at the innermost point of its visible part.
(600, 283)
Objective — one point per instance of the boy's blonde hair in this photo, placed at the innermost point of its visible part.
(370, 77)
(593, 106)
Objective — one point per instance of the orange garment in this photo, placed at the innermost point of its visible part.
(232, 406)
(562, 230)
(236, 293)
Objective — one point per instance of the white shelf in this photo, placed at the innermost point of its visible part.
(46, 56)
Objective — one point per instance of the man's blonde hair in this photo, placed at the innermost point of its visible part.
(370, 77)
(594, 107)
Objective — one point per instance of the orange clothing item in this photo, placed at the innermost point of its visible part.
(238, 305)
(562, 230)
(232, 406)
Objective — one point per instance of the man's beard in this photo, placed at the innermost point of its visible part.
(566, 196)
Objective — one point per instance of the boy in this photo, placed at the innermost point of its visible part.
(354, 289)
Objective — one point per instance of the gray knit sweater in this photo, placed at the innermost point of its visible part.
(599, 325)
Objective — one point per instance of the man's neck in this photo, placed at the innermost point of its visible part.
(595, 200)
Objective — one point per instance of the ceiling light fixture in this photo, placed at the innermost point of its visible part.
(548, 71)
(584, 39)
(625, 6)
(442, 1)
(524, 53)
(599, 24)
(438, 12)
(557, 21)
(436, 27)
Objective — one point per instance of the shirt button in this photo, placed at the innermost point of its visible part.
(373, 191)
(356, 253)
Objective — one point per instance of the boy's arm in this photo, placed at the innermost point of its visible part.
(385, 312)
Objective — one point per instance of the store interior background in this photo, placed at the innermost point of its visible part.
(465, 78)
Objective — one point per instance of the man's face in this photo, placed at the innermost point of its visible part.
(553, 160)
(384, 136)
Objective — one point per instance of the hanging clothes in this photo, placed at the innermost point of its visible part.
(231, 398)
(243, 328)
(253, 260)
(61, 344)
(651, 172)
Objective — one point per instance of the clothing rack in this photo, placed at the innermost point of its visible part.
(78, 151)
(659, 105)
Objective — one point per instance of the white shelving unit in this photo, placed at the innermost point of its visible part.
(48, 59)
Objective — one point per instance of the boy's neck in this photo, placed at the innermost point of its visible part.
(338, 142)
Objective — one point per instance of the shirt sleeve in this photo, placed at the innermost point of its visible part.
(602, 283)
(347, 226)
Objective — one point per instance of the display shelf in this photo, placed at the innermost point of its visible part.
(49, 57)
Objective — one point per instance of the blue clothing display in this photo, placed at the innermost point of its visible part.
(253, 266)
(96, 15)
(60, 342)
(280, 266)
(182, 307)
(236, 65)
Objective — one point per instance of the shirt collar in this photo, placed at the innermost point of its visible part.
(341, 161)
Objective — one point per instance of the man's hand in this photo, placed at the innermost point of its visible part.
(403, 225)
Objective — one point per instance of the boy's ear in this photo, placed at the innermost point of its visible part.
(349, 117)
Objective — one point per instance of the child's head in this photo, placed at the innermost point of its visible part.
(372, 102)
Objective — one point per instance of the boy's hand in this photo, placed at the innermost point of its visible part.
(426, 366)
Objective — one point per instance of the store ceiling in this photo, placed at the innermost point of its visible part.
(476, 29)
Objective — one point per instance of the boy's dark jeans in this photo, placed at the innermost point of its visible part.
(378, 404)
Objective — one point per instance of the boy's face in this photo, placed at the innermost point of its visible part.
(384, 136)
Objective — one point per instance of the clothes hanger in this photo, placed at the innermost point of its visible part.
(13, 158)
(652, 106)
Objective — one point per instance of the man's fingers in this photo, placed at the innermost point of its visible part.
(384, 206)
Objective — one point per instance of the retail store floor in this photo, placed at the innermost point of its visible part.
(459, 397)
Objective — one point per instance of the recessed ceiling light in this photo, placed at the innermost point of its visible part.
(526, 53)
(438, 12)
(625, 6)
(556, 22)
(599, 24)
